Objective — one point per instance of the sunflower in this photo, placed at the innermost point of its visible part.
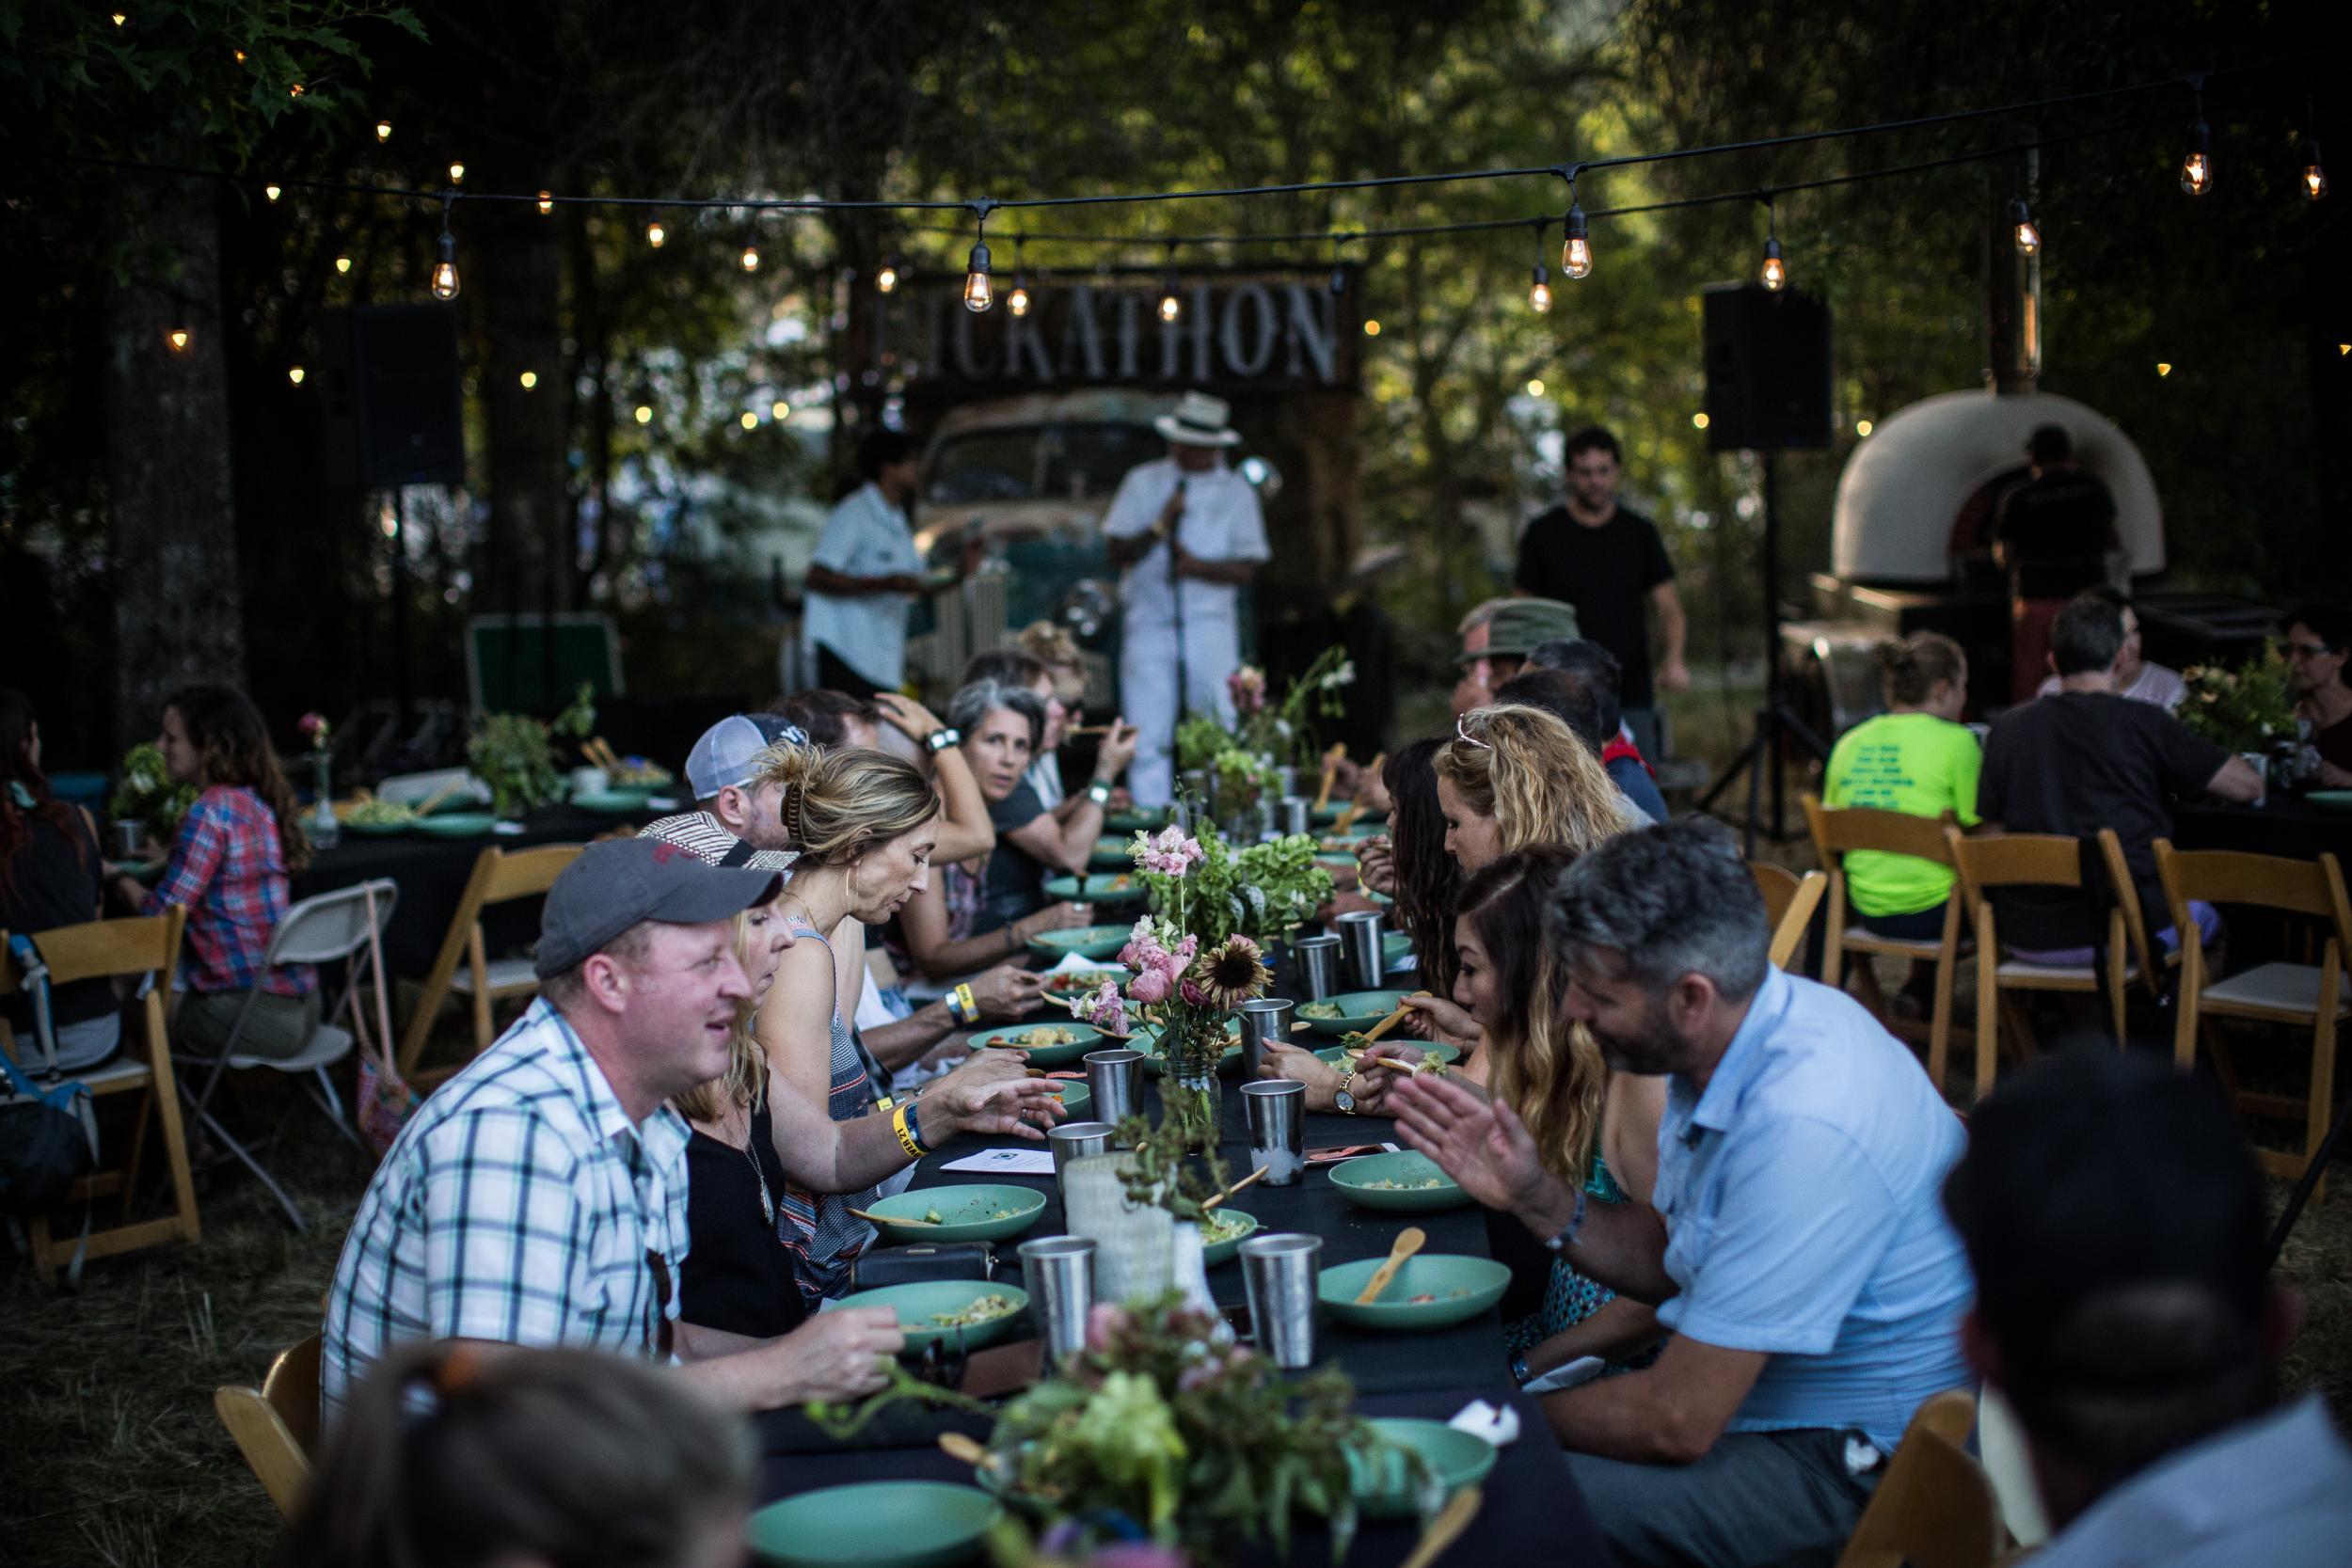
(1230, 973)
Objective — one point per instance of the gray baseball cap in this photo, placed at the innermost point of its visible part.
(622, 882)
(729, 751)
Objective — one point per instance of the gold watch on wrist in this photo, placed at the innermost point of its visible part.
(1342, 1099)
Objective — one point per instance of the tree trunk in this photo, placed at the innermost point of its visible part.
(176, 605)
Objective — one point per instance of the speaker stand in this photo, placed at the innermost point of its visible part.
(1776, 723)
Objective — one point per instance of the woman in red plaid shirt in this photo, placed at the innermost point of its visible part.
(231, 862)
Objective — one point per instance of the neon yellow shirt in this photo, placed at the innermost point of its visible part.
(1913, 763)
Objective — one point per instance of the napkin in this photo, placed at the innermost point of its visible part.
(1070, 962)
(1566, 1375)
(1497, 1425)
(1007, 1161)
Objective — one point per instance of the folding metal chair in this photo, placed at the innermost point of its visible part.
(329, 929)
(147, 948)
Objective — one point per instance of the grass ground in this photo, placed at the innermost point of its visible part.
(116, 1458)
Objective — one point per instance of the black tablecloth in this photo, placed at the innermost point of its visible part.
(1531, 1506)
(2283, 826)
(431, 875)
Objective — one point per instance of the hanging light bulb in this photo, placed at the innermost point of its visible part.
(179, 339)
(445, 262)
(1171, 305)
(1539, 292)
(979, 290)
(2197, 167)
(1575, 251)
(294, 91)
(751, 258)
(2022, 229)
(656, 234)
(886, 280)
(120, 18)
(1018, 301)
(273, 191)
(383, 130)
(295, 374)
(1773, 274)
(457, 173)
(2314, 173)
(342, 263)
(547, 202)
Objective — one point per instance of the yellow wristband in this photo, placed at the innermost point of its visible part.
(967, 1004)
(906, 1138)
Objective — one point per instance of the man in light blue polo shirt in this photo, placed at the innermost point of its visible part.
(1794, 1241)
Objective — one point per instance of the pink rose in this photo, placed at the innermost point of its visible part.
(1194, 996)
(1105, 1321)
(1149, 986)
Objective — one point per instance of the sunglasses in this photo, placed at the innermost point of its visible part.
(2309, 650)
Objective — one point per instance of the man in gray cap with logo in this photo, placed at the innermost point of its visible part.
(539, 1196)
(735, 816)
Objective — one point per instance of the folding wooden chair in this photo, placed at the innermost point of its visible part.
(2315, 996)
(1789, 903)
(1934, 1507)
(276, 1425)
(498, 876)
(2049, 861)
(1838, 831)
(110, 949)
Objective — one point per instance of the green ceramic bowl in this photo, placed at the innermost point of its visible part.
(457, 824)
(1334, 858)
(880, 1524)
(1215, 1253)
(1088, 942)
(1075, 1095)
(1458, 1286)
(916, 1304)
(1097, 889)
(1395, 947)
(380, 829)
(2334, 800)
(1111, 854)
(1356, 1179)
(1389, 1485)
(1132, 822)
(1011, 1039)
(611, 802)
(1337, 1054)
(1358, 1011)
(978, 1212)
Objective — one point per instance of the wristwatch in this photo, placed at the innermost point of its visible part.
(1520, 1374)
(941, 738)
(1099, 792)
(1342, 1101)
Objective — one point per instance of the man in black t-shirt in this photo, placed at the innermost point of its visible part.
(2086, 758)
(1609, 563)
(2053, 537)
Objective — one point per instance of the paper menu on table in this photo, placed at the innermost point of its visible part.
(1007, 1161)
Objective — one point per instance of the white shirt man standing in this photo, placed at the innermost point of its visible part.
(1186, 533)
(865, 574)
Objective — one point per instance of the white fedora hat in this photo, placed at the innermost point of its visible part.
(1199, 421)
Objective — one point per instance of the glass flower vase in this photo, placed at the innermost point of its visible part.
(1190, 1094)
(325, 830)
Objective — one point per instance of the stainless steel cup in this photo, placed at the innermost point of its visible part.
(1075, 1140)
(1117, 1079)
(1286, 781)
(1318, 964)
(1360, 939)
(1275, 1110)
(1294, 816)
(1059, 1271)
(129, 839)
(1279, 1273)
(1269, 1017)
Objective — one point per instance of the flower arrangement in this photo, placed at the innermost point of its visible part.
(1212, 891)
(1187, 989)
(1246, 686)
(2246, 709)
(315, 730)
(514, 753)
(147, 793)
(1159, 1431)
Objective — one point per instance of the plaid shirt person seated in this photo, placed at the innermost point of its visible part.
(228, 870)
(521, 1205)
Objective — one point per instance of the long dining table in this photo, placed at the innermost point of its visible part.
(1532, 1510)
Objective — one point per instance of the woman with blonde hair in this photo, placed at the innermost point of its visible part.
(865, 824)
(1513, 777)
(1593, 1128)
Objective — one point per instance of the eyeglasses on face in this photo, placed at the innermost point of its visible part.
(2309, 650)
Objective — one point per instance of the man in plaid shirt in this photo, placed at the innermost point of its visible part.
(539, 1196)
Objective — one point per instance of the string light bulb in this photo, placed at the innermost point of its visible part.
(979, 290)
(2022, 229)
(383, 130)
(645, 414)
(1539, 291)
(779, 409)
(295, 374)
(1576, 250)
(342, 263)
(2197, 166)
(527, 380)
(751, 258)
(445, 261)
(886, 280)
(1774, 274)
(179, 339)
(748, 420)
(1338, 284)
(294, 91)
(2314, 172)
(273, 191)
(655, 234)
(119, 19)
(547, 202)
(457, 173)
(1018, 301)
(1171, 305)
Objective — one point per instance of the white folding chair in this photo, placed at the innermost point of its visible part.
(329, 929)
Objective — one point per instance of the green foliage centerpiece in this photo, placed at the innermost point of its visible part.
(514, 753)
(148, 795)
(2250, 708)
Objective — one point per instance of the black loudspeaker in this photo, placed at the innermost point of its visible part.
(392, 394)
(1766, 369)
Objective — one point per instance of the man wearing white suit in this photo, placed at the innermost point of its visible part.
(1186, 534)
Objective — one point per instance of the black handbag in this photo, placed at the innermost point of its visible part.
(48, 1135)
(928, 1261)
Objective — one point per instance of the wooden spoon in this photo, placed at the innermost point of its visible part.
(1408, 1241)
(1236, 1187)
(1330, 775)
(1388, 1022)
(1447, 1527)
(424, 807)
(888, 1219)
(964, 1451)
